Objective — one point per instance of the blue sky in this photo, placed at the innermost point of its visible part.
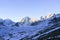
(17, 9)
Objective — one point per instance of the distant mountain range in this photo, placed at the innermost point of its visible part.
(45, 28)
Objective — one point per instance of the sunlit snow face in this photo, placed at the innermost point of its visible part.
(49, 15)
(30, 19)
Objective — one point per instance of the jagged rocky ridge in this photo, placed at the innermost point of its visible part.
(38, 30)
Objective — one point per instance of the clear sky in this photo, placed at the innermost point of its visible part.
(17, 9)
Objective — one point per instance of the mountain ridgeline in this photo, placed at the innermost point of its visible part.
(29, 29)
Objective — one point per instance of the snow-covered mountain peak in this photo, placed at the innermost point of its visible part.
(48, 16)
(26, 30)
